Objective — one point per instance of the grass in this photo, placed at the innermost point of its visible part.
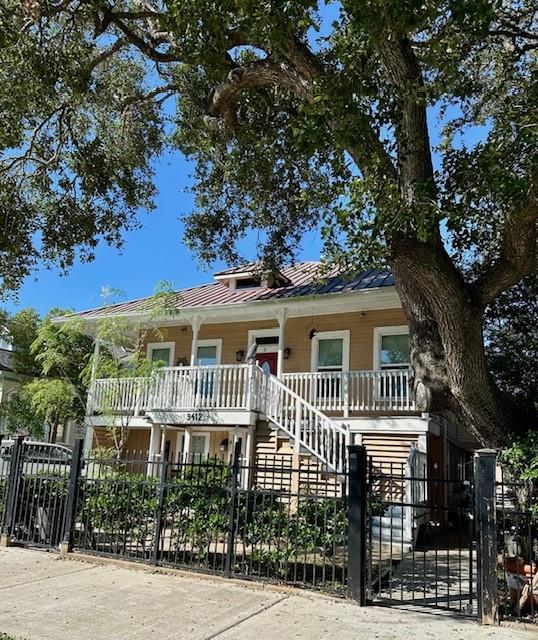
(4, 636)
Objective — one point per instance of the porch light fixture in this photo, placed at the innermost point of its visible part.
(287, 353)
(312, 333)
(224, 445)
(239, 355)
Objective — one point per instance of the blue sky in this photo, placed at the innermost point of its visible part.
(151, 254)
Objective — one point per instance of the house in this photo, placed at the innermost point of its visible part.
(9, 380)
(294, 367)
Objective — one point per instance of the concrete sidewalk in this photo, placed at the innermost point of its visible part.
(44, 597)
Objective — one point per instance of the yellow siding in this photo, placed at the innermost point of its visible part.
(235, 336)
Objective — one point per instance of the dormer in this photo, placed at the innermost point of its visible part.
(250, 276)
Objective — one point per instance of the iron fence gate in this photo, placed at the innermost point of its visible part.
(33, 495)
(517, 544)
(421, 547)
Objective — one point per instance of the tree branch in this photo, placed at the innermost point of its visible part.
(108, 53)
(144, 47)
(517, 256)
(414, 153)
(259, 74)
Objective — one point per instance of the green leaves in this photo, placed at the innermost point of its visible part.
(76, 141)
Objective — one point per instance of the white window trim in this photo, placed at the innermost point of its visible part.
(379, 332)
(206, 435)
(264, 333)
(162, 345)
(327, 335)
(217, 342)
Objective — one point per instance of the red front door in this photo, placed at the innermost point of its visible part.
(268, 362)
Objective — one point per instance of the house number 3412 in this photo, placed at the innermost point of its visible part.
(196, 416)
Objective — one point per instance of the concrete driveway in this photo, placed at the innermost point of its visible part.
(44, 597)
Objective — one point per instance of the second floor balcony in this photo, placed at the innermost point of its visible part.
(241, 388)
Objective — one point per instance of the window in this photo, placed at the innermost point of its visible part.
(330, 354)
(391, 347)
(247, 283)
(160, 355)
(161, 352)
(266, 340)
(391, 352)
(394, 351)
(207, 353)
(199, 446)
(330, 351)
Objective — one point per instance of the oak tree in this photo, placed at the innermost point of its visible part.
(405, 129)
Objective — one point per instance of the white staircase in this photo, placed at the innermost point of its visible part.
(309, 429)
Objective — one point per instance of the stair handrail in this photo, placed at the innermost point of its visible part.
(334, 456)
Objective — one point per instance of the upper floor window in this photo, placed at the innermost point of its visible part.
(391, 347)
(330, 351)
(208, 352)
(207, 355)
(161, 353)
(247, 283)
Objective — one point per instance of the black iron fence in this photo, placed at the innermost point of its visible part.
(390, 533)
(421, 543)
(267, 521)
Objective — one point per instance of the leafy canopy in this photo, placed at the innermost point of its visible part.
(295, 114)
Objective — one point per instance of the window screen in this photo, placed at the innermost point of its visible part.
(330, 354)
(161, 355)
(207, 355)
(394, 351)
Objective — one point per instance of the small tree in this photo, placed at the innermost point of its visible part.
(50, 358)
(123, 356)
(51, 400)
(19, 416)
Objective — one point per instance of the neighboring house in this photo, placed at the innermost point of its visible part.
(331, 368)
(9, 381)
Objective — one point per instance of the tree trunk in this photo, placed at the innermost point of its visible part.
(447, 345)
(53, 432)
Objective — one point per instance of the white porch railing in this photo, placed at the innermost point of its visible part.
(232, 387)
(208, 387)
(120, 395)
(346, 391)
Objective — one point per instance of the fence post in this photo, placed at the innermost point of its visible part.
(357, 497)
(486, 536)
(66, 545)
(230, 543)
(160, 501)
(15, 472)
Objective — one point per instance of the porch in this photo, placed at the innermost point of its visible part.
(237, 394)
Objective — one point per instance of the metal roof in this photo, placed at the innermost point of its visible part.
(305, 279)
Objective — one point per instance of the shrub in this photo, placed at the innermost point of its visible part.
(121, 506)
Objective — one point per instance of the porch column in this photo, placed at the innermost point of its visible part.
(248, 456)
(154, 441)
(89, 432)
(196, 323)
(282, 317)
(164, 429)
(187, 445)
(88, 438)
